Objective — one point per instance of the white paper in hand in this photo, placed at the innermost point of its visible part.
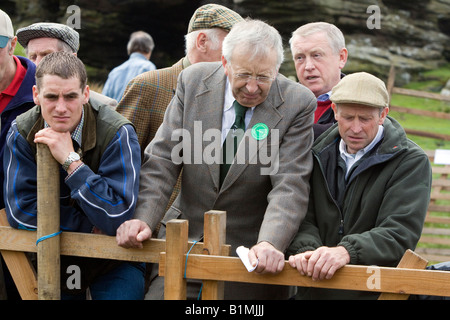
(242, 252)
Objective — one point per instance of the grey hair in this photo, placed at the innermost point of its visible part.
(212, 34)
(257, 36)
(335, 37)
(140, 41)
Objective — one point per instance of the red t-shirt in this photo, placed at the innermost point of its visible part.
(11, 90)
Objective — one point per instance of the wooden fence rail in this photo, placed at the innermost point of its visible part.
(399, 281)
(180, 259)
(215, 269)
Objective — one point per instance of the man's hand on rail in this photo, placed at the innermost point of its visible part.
(132, 233)
(321, 263)
(267, 257)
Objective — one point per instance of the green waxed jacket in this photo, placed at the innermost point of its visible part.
(381, 212)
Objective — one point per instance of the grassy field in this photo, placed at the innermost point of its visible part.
(431, 81)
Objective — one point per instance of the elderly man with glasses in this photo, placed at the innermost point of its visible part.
(212, 104)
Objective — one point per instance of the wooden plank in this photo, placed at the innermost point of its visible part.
(437, 219)
(437, 231)
(91, 245)
(445, 170)
(349, 277)
(23, 274)
(48, 217)
(19, 266)
(176, 249)
(427, 134)
(434, 240)
(420, 112)
(441, 183)
(436, 251)
(420, 94)
(436, 258)
(215, 224)
(409, 260)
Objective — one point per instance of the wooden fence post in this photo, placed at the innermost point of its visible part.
(214, 238)
(176, 248)
(48, 225)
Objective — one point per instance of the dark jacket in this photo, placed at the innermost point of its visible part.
(21, 102)
(382, 208)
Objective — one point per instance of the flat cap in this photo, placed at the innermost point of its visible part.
(49, 30)
(361, 88)
(213, 16)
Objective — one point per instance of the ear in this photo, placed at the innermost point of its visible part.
(383, 115)
(200, 42)
(36, 95)
(343, 55)
(224, 64)
(334, 107)
(86, 94)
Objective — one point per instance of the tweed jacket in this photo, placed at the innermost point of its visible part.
(260, 207)
(146, 98)
(144, 103)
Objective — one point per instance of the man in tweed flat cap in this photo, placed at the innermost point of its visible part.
(370, 189)
(58, 37)
(146, 97)
(42, 38)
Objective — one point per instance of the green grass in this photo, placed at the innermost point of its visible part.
(431, 81)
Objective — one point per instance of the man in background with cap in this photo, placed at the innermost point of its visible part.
(16, 84)
(42, 38)
(370, 189)
(146, 97)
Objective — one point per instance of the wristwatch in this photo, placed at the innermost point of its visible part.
(73, 156)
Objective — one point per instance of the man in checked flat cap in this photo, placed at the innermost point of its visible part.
(146, 97)
(370, 189)
(42, 38)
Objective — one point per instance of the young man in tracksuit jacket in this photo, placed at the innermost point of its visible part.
(370, 208)
(100, 163)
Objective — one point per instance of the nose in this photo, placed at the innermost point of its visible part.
(60, 106)
(252, 85)
(309, 64)
(356, 126)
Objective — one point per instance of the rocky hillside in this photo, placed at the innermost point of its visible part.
(414, 35)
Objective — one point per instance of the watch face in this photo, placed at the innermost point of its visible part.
(74, 156)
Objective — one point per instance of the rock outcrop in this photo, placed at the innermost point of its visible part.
(414, 35)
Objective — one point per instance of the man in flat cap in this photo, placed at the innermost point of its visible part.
(16, 83)
(370, 189)
(42, 38)
(146, 97)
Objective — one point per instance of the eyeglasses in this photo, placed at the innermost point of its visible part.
(248, 77)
